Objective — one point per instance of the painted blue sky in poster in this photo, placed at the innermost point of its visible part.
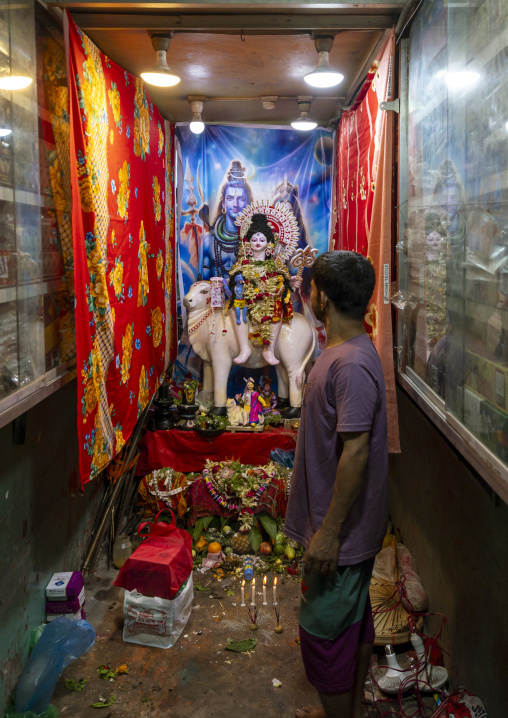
(269, 156)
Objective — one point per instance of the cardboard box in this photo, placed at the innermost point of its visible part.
(65, 586)
(71, 606)
(71, 616)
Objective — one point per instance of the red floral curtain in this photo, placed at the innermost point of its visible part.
(123, 243)
(363, 203)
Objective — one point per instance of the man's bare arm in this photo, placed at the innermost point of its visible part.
(323, 550)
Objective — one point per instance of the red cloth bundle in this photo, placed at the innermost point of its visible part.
(161, 564)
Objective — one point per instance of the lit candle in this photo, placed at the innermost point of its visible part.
(253, 602)
(264, 591)
(243, 593)
(275, 591)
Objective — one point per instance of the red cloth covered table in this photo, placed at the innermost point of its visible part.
(186, 451)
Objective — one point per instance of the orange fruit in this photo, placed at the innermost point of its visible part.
(214, 547)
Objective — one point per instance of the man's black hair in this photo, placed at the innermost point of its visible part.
(259, 223)
(347, 279)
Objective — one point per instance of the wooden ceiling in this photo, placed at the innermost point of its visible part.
(234, 54)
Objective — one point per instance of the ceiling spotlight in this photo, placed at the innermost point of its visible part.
(303, 122)
(14, 82)
(197, 125)
(161, 75)
(5, 131)
(268, 102)
(323, 75)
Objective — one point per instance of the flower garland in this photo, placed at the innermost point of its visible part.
(241, 489)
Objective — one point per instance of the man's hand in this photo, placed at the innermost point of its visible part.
(322, 553)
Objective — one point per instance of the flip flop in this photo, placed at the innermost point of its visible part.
(316, 711)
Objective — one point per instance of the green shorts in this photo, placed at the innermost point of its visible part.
(332, 602)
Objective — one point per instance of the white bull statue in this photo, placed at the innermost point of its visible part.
(213, 338)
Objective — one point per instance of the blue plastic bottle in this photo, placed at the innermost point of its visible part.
(248, 570)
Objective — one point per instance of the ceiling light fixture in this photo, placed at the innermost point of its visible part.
(323, 75)
(268, 101)
(161, 75)
(5, 131)
(197, 125)
(303, 122)
(15, 82)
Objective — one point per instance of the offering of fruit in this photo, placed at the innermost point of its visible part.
(214, 547)
(227, 530)
(265, 549)
(240, 543)
(201, 543)
(290, 552)
(278, 549)
(280, 538)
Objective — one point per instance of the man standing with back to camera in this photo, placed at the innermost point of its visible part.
(338, 506)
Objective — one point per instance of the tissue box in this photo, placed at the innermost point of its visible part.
(71, 606)
(71, 616)
(65, 586)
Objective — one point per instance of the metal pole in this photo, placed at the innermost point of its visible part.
(116, 490)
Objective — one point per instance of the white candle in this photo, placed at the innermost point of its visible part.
(243, 593)
(264, 591)
(275, 591)
(253, 601)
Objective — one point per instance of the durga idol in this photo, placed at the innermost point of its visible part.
(266, 285)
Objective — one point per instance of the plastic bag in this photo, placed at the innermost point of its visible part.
(283, 457)
(384, 569)
(62, 641)
(156, 622)
(406, 568)
(35, 634)
(50, 712)
(384, 565)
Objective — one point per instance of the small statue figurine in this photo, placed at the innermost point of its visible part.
(249, 402)
(267, 397)
(239, 303)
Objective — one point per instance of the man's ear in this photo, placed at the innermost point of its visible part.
(323, 301)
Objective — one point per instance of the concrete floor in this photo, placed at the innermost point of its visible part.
(197, 677)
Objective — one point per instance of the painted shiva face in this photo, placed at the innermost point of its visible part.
(235, 200)
(258, 243)
(450, 198)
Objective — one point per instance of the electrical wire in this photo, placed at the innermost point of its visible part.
(417, 679)
(408, 21)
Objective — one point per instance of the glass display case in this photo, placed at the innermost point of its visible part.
(37, 346)
(453, 226)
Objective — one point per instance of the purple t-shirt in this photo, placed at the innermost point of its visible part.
(345, 392)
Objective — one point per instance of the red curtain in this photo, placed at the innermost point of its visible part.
(364, 210)
(123, 244)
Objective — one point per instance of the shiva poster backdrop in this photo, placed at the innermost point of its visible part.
(224, 170)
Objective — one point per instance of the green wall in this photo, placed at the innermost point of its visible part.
(458, 534)
(45, 522)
